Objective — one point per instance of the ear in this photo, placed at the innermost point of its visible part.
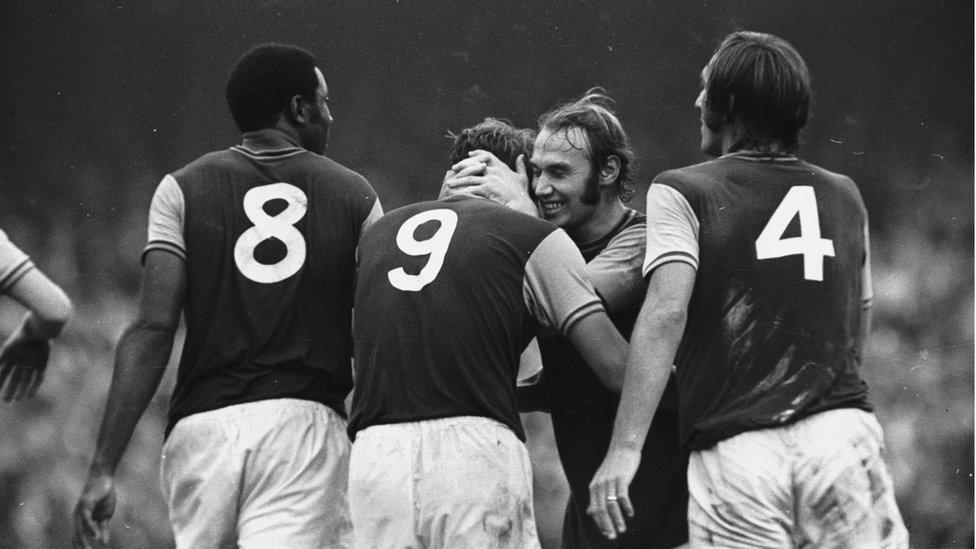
(610, 170)
(298, 109)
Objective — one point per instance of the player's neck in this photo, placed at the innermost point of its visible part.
(271, 138)
(608, 213)
(732, 145)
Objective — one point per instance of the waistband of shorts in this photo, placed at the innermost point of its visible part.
(427, 425)
(262, 406)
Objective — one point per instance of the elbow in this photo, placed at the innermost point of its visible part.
(669, 318)
(155, 327)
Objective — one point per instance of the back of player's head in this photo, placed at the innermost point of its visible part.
(593, 114)
(497, 136)
(759, 84)
(264, 81)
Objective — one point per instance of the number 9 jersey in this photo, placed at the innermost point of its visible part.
(268, 232)
(781, 253)
(448, 295)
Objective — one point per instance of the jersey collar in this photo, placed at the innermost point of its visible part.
(269, 140)
(758, 156)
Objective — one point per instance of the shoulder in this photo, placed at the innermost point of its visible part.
(208, 160)
(334, 169)
(694, 174)
(502, 217)
(632, 232)
(692, 180)
(839, 183)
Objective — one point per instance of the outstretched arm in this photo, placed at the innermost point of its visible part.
(653, 345)
(23, 357)
(140, 361)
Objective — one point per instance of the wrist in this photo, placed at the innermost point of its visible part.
(626, 447)
(33, 328)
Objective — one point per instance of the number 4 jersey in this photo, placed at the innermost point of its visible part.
(449, 294)
(781, 253)
(268, 232)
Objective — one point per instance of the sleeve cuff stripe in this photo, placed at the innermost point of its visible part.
(163, 246)
(579, 314)
(683, 257)
(15, 275)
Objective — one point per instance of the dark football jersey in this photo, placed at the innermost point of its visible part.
(269, 242)
(583, 409)
(773, 326)
(449, 294)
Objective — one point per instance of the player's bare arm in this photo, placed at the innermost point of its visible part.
(483, 174)
(654, 343)
(140, 361)
(23, 357)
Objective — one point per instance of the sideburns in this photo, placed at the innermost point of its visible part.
(591, 193)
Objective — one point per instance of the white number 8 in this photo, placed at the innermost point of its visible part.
(435, 246)
(280, 226)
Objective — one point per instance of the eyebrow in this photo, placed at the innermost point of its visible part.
(554, 165)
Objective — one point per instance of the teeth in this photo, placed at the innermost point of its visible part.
(551, 205)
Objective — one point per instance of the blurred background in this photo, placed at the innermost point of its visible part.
(99, 99)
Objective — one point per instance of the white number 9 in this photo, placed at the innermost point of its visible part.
(435, 246)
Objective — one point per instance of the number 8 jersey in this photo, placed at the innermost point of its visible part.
(448, 295)
(268, 232)
(781, 253)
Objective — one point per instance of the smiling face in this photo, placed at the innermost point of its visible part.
(563, 180)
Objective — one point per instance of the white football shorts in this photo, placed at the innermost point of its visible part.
(453, 482)
(271, 473)
(819, 482)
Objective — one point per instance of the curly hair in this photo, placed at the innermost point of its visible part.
(594, 114)
(264, 81)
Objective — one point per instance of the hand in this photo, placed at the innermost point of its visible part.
(609, 500)
(22, 364)
(94, 511)
(483, 174)
(458, 182)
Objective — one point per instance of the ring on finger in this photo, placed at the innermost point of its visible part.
(611, 498)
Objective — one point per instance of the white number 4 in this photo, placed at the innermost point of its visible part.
(435, 247)
(770, 244)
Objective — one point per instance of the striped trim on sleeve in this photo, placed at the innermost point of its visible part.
(166, 214)
(672, 229)
(14, 274)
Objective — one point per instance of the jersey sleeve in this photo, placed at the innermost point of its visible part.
(166, 216)
(375, 213)
(672, 228)
(616, 271)
(867, 290)
(14, 264)
(555, 288)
